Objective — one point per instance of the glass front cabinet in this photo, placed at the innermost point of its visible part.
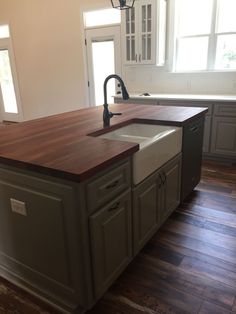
(144, 32)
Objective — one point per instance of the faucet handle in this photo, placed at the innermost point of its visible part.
(115, 114)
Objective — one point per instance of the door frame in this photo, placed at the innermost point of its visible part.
(100, 34)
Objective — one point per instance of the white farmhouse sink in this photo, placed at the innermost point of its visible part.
(157, 145)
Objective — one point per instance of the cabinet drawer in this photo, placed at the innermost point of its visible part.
(184, 103)
(104, 187)
(225, 110)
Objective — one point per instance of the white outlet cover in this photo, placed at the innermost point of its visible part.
(18, 207)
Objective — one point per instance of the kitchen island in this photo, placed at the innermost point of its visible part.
(71, 218)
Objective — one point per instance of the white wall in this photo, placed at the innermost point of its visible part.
(47, 38)
(47, 42)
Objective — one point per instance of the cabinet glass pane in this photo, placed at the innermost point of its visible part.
(226, 21)
(133, 48)
(144, 42)
(226, 52)
(127, 48)
(144, 18)
(127, 22)
(132, 21)
(149, 47)
(149, 22)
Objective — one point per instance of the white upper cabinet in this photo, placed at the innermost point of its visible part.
(144, 32)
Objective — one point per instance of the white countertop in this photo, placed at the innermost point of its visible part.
(226, 98)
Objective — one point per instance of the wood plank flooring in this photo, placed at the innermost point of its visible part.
(189, 266)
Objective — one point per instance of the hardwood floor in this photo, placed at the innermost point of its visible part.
(189, 266)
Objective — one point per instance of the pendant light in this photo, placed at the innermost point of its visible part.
(121, 4)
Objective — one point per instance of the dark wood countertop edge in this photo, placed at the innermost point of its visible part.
(75, 177)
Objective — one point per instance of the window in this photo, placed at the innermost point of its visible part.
(205, 35)
(9, 100)
(101, 17)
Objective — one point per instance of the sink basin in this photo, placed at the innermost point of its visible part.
(157, 145)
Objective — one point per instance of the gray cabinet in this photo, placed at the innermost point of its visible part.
(223, 141)
(171, 183)
(110, 235)
(146, 202)
(224, 136)
(207, 134)
(154, 200)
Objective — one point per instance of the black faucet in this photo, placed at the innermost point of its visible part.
(107, 115)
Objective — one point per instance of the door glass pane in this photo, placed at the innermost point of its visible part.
(103, 65)
(226, 21)
(6, 83)
(194, 17)
(226, 52)
(192, 54)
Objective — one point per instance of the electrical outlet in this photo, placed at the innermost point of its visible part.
(18, 207)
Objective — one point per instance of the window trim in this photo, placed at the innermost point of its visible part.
(6, 44)
(212, 43)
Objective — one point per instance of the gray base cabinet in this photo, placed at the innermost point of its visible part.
(146, 203)
(110, 240)
(171, 184)
(224, 136)
(154, 200)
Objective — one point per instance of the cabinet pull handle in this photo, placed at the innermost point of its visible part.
(136, 57)
(140, 57)
(112, 185)
(163, 178)
(116, 206)
(194, 129)
(160, 181)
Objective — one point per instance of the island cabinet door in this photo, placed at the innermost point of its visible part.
(146, 202)
(171, 180)
(110, 236)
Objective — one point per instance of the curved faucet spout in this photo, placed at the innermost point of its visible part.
(107, 115)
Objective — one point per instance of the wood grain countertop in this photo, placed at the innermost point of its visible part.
(62, 145)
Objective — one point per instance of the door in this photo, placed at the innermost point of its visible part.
(103, 59)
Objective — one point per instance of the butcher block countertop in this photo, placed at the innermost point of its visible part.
(60, 146)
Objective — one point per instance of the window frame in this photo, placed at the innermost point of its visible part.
(6, 44)
(212, 43)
